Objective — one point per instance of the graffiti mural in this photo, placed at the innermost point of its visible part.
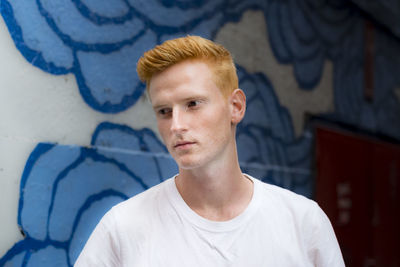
(65, 189)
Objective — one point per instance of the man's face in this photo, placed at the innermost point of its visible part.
(194, 118)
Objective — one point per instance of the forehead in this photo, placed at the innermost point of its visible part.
(190, 77)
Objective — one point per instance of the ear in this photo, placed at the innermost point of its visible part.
(237, 102)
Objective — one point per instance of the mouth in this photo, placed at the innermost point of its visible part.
(183, 145)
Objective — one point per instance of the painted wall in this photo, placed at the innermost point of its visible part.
(77, 133)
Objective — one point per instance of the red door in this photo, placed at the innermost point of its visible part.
(386, 206)
(357, 185)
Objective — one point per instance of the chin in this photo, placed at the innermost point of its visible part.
(188, 164)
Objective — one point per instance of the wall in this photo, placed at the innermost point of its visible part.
(77, 134)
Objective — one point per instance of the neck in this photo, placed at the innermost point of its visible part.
(216, 193)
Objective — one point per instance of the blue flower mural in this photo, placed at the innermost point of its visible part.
(65, 190)
(268, 148)
(380, 115)
(307, 32)
(100, 42)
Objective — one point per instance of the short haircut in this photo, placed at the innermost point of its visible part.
(174, 51)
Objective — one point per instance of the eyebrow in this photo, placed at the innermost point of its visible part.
(186, 99)
(158, 106)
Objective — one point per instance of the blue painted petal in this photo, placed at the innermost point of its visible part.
(258, 173)
(300, 22)
(264, 109)
(41, 170)
(92, 176)
(267, 145)
(117, 136)
(167, 166)
(106, 8)
(299, 151)
(175, 16)
(265, 136)
(142, 152)
(299, 49)
(121, 136)
(15, 261)
(183, 4)
(329, 31)
(208, 28)
(256, 106)
(90, 215)
(238, 7)
(67, 21)
(247, 147)
(38, 36)
(334, 13)
(205, 28)
(308, 72)
(109, 82)
(143, 164)
(275, 31)
(49, 256)
(153, 143)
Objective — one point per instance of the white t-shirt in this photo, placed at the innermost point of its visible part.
(157, 228)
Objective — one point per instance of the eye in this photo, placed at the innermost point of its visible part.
(193, 103)
(164, 111)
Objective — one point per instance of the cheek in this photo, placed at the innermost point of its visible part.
(219, 125)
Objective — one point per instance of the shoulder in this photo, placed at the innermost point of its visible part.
(302, 213)
(123, 228)
(285, 205)
(305, 219)
(283, 197)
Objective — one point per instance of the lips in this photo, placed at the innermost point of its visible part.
(183, 144)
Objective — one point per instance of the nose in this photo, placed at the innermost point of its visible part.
(178, 124)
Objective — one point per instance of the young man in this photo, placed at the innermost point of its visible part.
(210, 214)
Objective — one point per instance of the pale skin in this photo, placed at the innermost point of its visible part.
(198, 124)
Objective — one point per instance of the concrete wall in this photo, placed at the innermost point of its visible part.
(77, 134)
